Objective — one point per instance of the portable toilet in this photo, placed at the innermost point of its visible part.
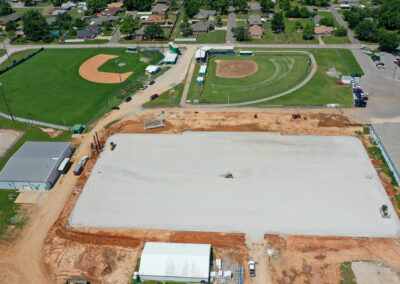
(77, 129)
(200, 80)
(174, 48)
(203, 70)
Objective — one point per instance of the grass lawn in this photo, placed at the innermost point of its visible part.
(336, 40)
(32, 133)
(21, 11)
(16, 56)
(348, 274)
(276, 73)
(218, 36)
(56, 93)
(322, 89)
(2, 52)
(170, 98)
(8, 209)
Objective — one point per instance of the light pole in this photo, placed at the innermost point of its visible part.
(5, 101)
(395, 69)
(120, 64)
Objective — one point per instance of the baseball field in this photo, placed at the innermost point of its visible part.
(68, 86)
(242, 78)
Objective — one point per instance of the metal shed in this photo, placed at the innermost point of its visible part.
(34, 166)
(175, 262)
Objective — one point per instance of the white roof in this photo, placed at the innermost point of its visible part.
(203, 68)
(201, 52)
(169, 56)
(346, 79)
(175, 260)
(200, 79)
(152, 68)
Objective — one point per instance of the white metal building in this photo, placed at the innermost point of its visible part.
(206, 51)
(175, 262)
(152, 69)
(34, 166)
(170, 57)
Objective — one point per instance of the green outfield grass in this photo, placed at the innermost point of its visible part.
(322, 89)
(48, 87)
(277, 72)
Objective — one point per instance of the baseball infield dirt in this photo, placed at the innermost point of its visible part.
(88, 70)
(235, 68)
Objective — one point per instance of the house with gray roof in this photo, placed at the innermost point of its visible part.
(160, 9)
(14, 17)
(387, 136)
(254, 19)
(205, 14)
(89, 32)
(35, 166)
(100, 20)
(51, 21)
(255, 7)
(140, 32)
(201, 27)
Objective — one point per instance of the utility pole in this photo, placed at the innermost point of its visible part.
(5, 101)
(395, 69)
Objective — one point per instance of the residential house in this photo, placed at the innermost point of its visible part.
(201, 27)
(58, 12)
(160, 9)
(203, 14)
(51, 21)
(317, 19)
(115, 5)
(255, 7)
(158, 19)
(89, 32)
(68, 6)
(254, 19)
(256, 31)
(111, 11)
(14, 17)
(323, 31)
(312, 9)
(100, 20)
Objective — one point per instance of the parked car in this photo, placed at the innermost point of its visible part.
(252, 268)
(357, 90)
(115, 108)
(152, 82)
(356, 75)
(363, 46)
(380, 65)
(128, 99)
(78, 169)
(143, 87)
(384, 53)
(360, 103)
(84, 161)
(153, 97)
(367, 52)
(397, 61)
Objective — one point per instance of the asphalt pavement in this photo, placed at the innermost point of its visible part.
(343, 23)
(231, 24)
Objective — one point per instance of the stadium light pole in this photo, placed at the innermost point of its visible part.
(120, 64)
(5, 101)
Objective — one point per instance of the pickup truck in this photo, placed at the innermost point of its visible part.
(252, 268)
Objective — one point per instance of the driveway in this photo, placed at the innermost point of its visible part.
(231, 24)
(384, 92)
(343, 23)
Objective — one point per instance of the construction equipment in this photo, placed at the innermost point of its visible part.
(112, 146)
(384, 211)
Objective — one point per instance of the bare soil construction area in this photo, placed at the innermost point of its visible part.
(235, 68)
(8, 138)
(110, 255)
(89, 70)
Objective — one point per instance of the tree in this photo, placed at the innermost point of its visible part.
(223, 6)
(219, 20)
(388, 41)
(96, 5)
(57, 3)
(63, 21)
(35, 25)
(153, 31)
(267, 6)
(367, 31)
(172, 4)
(340, 32)
(107, 25)
(277, 24)
(78, 23)
(5, 8)
(129, 26)
(241, 5)
(140, 5)
(308, 31)
(327, 21)
(285, 5)
(11, 26)
(27, 2)
(240, 33)
(298, 26)
(191, 7)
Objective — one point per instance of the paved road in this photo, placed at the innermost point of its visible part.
(116, 36)
(343, 23)
(185, 91)
(231, 24)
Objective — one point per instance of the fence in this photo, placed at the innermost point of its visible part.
(30, 121)
(17, 62)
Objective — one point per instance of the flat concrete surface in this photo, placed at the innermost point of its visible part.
(306, 185)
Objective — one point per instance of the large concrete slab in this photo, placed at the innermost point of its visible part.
(308, 185)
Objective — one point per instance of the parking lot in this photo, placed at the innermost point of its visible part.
(261, 183)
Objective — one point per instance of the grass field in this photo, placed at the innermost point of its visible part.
(170, 98)
(56, 93)
(8, 209)
(322, 89)
(277, 72)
